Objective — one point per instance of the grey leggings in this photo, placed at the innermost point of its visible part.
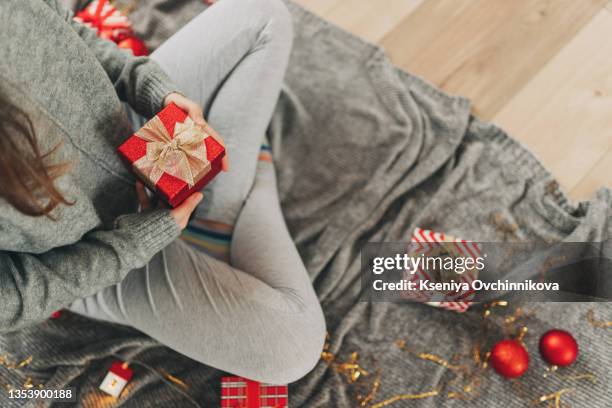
(259, 317)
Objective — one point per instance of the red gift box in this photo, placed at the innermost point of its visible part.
(110, 24)
(239, 392)
(172, 155)
(426, 242)
(116, 379)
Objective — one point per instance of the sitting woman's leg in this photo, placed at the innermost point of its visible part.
(261, 319)
(232, 59)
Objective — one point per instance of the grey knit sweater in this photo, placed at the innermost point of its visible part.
(70, 83)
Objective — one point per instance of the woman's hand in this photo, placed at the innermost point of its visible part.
(180, 214)
(194, 110)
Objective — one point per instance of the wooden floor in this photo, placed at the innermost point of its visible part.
(541, 69)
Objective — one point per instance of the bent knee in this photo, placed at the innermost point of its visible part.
(290, 356)
(274, 16)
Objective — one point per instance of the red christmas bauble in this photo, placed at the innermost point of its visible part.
(135, 44)
(558, 347)
(509, 358)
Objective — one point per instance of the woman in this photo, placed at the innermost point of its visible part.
(71, 235)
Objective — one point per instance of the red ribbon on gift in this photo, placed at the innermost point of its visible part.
(252, 389)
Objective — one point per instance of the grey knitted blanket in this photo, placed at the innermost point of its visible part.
(366, 152)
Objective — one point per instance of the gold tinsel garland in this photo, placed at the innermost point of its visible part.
(600, 324)
(468, 372)
(468, 377)
(101, 400)
(27, 383)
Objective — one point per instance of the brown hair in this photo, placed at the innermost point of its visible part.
(27, 179)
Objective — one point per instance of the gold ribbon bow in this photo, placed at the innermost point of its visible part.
(182, 156)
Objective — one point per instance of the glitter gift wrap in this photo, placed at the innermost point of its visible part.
(239, 392)
(172, 155)
(429, 241)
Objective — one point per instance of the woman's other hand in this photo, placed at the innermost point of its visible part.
(194, 110)
(180, 214)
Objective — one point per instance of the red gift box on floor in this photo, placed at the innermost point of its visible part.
(172, 155)
(429, 241)
(239, 392)
(110, 24)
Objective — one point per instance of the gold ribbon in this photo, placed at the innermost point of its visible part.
(182, 156)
